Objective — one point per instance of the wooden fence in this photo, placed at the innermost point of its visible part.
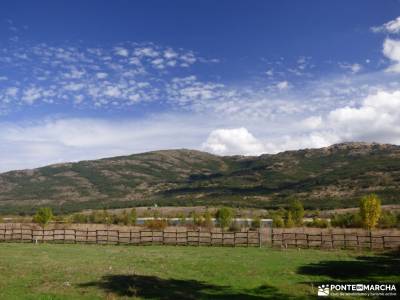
(335, 240)
(142, 237)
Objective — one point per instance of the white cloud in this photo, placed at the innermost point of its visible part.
(377, 119)
(62, 140)
(283, 85)
(353, 68)
(391, 49)
(74, 86)
(121, 51)
(313, 122)
(31, 94)
(170, 53)
(146, 52)
(389, 27)
(112, 91)
(89, 76)
(11, 91)
(101, 75)
(233, 141)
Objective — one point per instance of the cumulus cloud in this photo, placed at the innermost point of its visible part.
(377, 119)
(121, 51)
(391, 49)
(392, 26)
(233, 141)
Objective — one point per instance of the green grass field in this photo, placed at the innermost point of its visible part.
(50, 271)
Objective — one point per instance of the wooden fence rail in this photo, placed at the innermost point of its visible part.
(142, 237)
(335, 240)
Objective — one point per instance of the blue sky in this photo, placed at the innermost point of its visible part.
(89, 79)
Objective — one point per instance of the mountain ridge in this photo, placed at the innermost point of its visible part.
(328, 177)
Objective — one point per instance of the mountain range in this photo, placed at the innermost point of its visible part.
(326, 178)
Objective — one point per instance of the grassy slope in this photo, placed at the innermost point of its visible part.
(47, 271)
(333, 177)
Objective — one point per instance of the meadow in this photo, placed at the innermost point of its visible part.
(74, 271)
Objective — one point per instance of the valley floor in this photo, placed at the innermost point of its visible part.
(54, 271)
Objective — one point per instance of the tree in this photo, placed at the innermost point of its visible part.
(43, 216)
(132, 216)
(370, 210)
(277, 221)
(387, 220)
(224, 216)
(297, 211)
(256, 222)
(208, 223)
(289, 220)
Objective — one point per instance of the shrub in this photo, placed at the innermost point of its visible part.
(234, 227)
(277, 221)
(156, 224)
(256, 223)
(43, 216)
(80, 218)
(100, 217)
(182, 219)
(347, 220)
(132, 216)
(387, 220)
(297, 212)
(197, 218)
(319, 223)
(208, 223)
(224, 216)
(289, 220)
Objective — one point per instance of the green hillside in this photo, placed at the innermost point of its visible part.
(330, 177)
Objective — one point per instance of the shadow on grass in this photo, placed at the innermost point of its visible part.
(364, 268)
(152, 287)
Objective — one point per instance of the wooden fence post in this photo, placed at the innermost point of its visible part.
(370, 239)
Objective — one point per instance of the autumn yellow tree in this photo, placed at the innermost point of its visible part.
(370, 210)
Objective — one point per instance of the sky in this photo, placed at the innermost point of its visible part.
(89, 79)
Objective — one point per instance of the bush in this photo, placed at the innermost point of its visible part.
(132, 216)
(319, 223)
(100, 217)
(208, 223)
(289, 220)
(347, 220)
(156, 224)
(296, 210)
(224, 216)
(277, 221)
(387, 220)
(197, 218)
(80, 218)
(256, 223)
(234, 227)
(43, 216)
